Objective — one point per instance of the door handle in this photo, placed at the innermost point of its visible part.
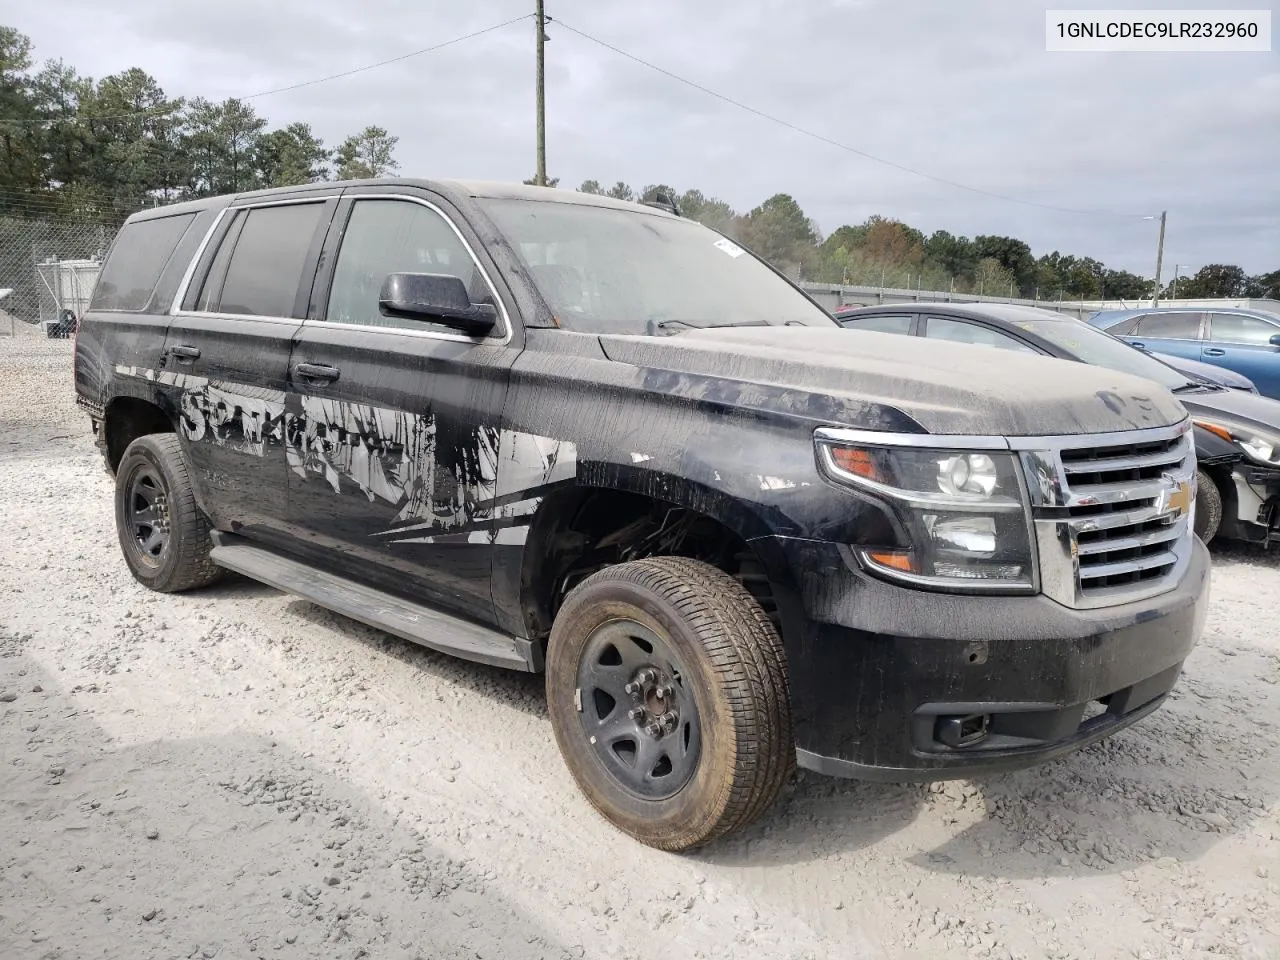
(185, 354)
(1135, 343)
(1215, 352)
(315, 371)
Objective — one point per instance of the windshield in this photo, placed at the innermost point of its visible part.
(1093, 346)
(603, 270)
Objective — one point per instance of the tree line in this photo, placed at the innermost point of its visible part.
(79, 148)
(73, 146)
(882, 251)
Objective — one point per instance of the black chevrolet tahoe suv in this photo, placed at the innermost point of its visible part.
(557, 432)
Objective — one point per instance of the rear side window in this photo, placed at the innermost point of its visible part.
(135, 263)
(1170, 326)
(266, 260)
(881, 323)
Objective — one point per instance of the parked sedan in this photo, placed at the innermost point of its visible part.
(1246, 341)
(1237, 434)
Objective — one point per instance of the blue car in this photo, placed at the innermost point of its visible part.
(1245, 341)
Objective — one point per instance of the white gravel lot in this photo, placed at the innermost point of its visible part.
(234, 773)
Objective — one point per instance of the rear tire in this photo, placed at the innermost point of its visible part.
(163, 533)
(726, 748)
(1208, 507)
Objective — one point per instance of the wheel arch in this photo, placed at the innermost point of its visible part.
(126, 418)
(585, 527)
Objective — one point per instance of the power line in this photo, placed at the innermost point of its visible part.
(138, 114)
(835, 143)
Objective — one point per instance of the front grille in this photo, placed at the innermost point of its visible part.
(1113, 516)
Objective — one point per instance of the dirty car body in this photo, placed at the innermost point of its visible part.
(1236, 432)
(609, 413)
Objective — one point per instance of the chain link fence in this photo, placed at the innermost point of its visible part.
(49, 268)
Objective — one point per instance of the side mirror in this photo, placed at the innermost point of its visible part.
(435, 297)
(1275, 340)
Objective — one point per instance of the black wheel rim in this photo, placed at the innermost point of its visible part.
(147, 514)
(637, 710)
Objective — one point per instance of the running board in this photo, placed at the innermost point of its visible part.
(404, 618)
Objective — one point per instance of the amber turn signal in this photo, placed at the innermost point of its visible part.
(858, 462)
(900, 560)
(1213, 428)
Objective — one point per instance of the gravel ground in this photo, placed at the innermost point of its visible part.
(235, 773)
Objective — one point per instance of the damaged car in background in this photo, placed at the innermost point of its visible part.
(557, 432)
(1237, 432)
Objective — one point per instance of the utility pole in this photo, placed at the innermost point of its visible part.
(540, 22)
(1155, 299)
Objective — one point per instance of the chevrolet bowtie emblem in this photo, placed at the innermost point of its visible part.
(1178, 498)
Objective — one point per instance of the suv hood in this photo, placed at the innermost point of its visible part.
(946, 388)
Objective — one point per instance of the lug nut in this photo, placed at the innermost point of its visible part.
(669, 721)
(636, 713)
(632, 688)
(663, 692)
(653, 729)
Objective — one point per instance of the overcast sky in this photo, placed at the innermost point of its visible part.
(959, 89)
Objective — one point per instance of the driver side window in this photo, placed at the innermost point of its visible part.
(385, 236)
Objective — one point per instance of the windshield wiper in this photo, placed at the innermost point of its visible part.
(663, 324)
(1192, 386)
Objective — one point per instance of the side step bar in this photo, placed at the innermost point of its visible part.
(404, 618)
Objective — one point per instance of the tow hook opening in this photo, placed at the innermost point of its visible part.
(963, 731)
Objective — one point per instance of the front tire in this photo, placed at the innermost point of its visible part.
(668, 694)
(163, 533)
(1208, 507)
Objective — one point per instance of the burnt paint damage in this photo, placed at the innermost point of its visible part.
(445, 480)
(476, 475)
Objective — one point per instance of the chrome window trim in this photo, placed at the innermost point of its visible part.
(175, 308)
(251, 317)
(488, 340)
(177, 311)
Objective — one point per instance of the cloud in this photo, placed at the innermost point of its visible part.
(962, 91)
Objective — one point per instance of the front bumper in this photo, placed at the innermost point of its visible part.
(882, 674)
(1257, 496)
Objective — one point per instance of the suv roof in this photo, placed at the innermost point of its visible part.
(456, 190)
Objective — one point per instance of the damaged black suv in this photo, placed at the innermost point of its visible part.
(550, 431)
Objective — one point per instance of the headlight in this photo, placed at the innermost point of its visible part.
(963, 513)
(1261, 450)
(1257, 448)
